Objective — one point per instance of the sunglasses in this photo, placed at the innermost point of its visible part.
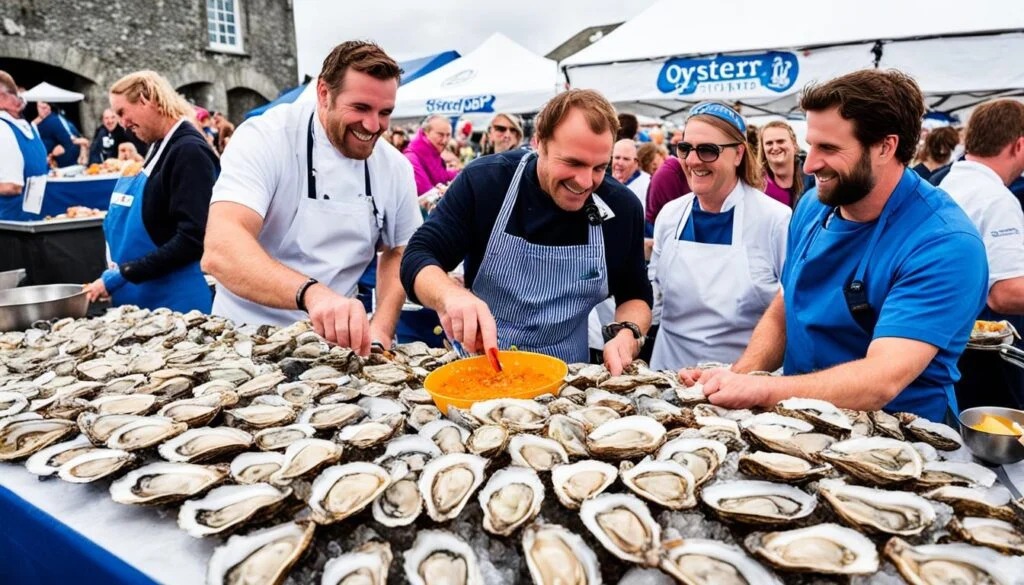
(705, 152)
(502, 129)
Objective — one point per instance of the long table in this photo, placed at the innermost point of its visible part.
(86, 190)
(55, 251)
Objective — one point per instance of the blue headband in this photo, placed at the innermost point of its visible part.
(720, 111)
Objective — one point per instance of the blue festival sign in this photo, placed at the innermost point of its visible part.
(774, 70)
(467, 105)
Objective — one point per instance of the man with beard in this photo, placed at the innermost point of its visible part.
(108, 138)
(884, 273)
(306, 198)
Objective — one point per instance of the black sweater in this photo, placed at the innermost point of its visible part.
(461, 225)
(176, 204)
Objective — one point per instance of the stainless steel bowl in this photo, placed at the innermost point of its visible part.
(999, 449)
(20, 307)
(11, 278)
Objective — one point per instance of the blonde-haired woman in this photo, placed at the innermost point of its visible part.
(157, 217)
(718, 251)
(784, 179)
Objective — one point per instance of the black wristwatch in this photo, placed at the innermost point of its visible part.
(300, 295)
(612, 329)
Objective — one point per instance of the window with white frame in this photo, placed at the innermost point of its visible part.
(223, 25)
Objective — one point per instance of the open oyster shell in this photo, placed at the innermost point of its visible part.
(878, 511)
(438, 557)
(624, 526)
(264, 556)
(949, 564)
(228, 507)
(695, 561)
(554, 556)
(511, 498)
(575, 482)
(824, 548)
(758, 502)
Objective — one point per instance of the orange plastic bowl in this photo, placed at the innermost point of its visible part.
(443, 384)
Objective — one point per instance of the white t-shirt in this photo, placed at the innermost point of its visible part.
(12, 163)
(994, 210)
(265, 169)
(639, 187)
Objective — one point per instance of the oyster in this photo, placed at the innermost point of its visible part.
(594, 416)
(997, 534)
(298, 393)
(447, 483)
(758, 502)
(823, 548)
(784, 434)
(367, 565)
(12, 403)
(195, 412)
(145, 433)
(392, 374)
(993, 502)
(660, 410)
(306, 456)
(965, 473)
(556, 556)
(570, 433)
(935, 434)
(586, 375)
(876, 460)
(331, 416)
(696, 561)
(164, 483)
(140, 404)
(264, 556)
(885, 425)
(781, 467)
(95, 464)
(408, 454)
(228, 507)
(824, 415)
(617, 402)
(511, 498)
(255, 467)
(343, 490)
(400, 504)
(517, 415)
(377, 408)
(666, 483)
(260, 415)
(700, 456)
(422, 414)
(47, 461)
(488, 440)
(205, 443)
(878, 511)
(278, 438)
(438, 557)
(537, 452)
(624, 526)
(950, 564)
(448, 436)
(576, 482)
(368, 434)
(23, 437)
(626, 437)
(261, 384)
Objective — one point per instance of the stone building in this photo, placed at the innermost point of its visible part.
(224, 55)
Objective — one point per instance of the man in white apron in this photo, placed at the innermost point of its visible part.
(306, 197)
(545, 237)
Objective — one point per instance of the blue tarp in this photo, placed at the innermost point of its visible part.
(411, 70)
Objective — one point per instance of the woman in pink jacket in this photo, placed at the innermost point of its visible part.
(424, 152)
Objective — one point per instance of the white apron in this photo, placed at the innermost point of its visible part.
(711, 302)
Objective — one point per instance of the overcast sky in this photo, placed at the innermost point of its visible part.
(408, 29)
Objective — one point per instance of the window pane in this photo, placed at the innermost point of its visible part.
(230, 18)
(231, 29)
(209, 4)
(229, 5)
(213, 38)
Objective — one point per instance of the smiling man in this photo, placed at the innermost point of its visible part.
(306, 197)
(545, 237)
(884, 273)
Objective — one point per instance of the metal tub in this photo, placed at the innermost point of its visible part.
(11, 278)
(20, 307)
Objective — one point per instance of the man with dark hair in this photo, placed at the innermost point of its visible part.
(884, 273)
(306, 198)
(536, 233)
(994, 158)
(628, 127)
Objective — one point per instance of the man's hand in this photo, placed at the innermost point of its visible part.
(96, 291)
(691, 376)
(338, 319)
(57, 150)
(620, 351)
(377, 334)
(731, 390)
(468, 320)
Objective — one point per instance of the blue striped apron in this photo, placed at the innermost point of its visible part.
(540, 295)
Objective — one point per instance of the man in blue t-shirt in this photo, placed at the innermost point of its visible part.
(884, 273)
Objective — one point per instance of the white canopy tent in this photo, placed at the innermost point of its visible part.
(44, 92)
(760, 54)
(498, 76)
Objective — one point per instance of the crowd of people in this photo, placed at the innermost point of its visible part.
(595, 240)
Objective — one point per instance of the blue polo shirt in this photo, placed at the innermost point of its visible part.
(926, 279)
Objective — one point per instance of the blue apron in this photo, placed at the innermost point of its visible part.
(540, 296)
(34, 154)
(829, 320)
(183, 289)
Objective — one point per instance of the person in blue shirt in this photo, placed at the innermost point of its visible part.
(884, 273)
(64, 143)
(23, 167)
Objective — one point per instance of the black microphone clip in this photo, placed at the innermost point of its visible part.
(593, 214)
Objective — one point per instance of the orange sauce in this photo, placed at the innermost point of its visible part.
(995, 424)
(475, 384)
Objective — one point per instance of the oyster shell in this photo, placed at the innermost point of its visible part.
(371, 433)
(438, 557)
(422, 414)
(260, 415)
(617, 402)
(205, 443)
(511, 498)
(47, 461)
(878, 511)
(264, 556)
(343, 490)
(331, 416)
(255, 467)
(366, 566)
(227, 507)
(12, 403)
(624, 526)
(306, 456)
(938, 435)
(556, 556)
(700, 456)
(825, 416)
(23, 437)
(195, 412)
(537, 452)
(139, 404)
(447, 483)
(488, 440)
(758, 502)
(696, 561)
(278, 438)
(95, 464)
(781, 467)
(448, 436)
(823, 548)
(627, 437)
(400, 504)
(144, 433)
(594, 416)
(996, 534)
(517, 415)
(993, 502)
(876, 460)
(576, 482)
(570, 433)
(885, 425)
(163, 483)
(666, 483)
(964, 473)
(949, 564)
(408, 454)
(784, 434)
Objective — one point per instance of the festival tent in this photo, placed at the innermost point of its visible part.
(411, 70)
(760, 54)
(45, 92)
(498, 76)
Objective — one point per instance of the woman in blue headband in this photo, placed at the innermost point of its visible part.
(718, 251)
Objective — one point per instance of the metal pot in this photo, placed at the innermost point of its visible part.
(20, 307)
(11, 278)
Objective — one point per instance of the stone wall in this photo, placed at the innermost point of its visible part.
(89, 44)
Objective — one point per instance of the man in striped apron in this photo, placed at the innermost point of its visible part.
(545, 236)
